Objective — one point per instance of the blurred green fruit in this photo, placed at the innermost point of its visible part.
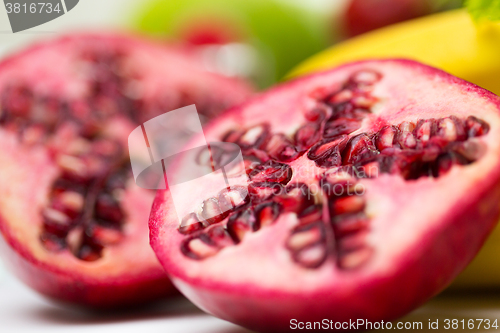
(259, 39)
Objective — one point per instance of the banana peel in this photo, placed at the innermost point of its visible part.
(455, 43)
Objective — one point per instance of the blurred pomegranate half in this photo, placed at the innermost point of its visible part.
(371, 186)
(73, 222)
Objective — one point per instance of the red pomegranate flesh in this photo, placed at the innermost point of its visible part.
(384, 185)
(74, 223)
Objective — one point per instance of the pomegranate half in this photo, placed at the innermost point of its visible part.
(371, 186)
(74, 223)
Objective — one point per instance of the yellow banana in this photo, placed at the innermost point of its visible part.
(450, 41)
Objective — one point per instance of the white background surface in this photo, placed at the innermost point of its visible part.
(22, 310)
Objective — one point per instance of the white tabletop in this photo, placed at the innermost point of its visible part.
(23, 310)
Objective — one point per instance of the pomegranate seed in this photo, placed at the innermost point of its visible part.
(271, 171)
(354, 259)
(210, 211)
(368, 170)
(311, 257)
(256, 155)
(385, 137)
(198, 248)
(471, 150)
(233, 198)
(340, 110)
(297, 197)
(406, 126)
(405, 137)
(73, 200)
(352, 241)
(260, 192)
(72, 166)
(359, 147)
(363, 101)
(281, 148)
(253, 137)
(348, 205)
(349, 224)
(315, 115)
(445, 162)
(218, 156)
(425, 129)
(365, 77)
(307, 135)
(190, 224)
(52, 242)
(460, 128)
(205, 157)
(108, 209)
(311, 214)
(446, 128)
(327, 148)
(340, 174)
(430, 153)
(344, 95)
(306, 235)
(342, 181)
(241, 223)
(407, 164)
(340, 126)
(267, 213)
(88, 253)
(71, 214)
(251, 162)
(476, 127)
(220, 237)
(75, 239)
(56, 222)
(55, 217)
(105, 236)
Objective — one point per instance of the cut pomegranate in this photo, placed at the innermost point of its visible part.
(74, 221)
(398, 208)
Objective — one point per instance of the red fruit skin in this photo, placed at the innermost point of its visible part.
(233, 285)
(128, 274)
(91, 293)
(365, 15)
(271, 310)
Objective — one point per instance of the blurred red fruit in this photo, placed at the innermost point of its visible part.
(365, 15)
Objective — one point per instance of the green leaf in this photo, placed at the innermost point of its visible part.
(484, 9)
